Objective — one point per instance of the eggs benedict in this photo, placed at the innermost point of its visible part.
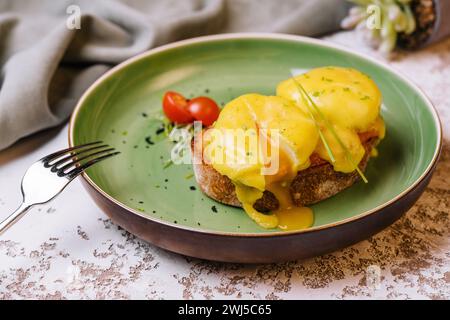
(274, 155)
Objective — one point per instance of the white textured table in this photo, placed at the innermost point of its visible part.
(69, 249)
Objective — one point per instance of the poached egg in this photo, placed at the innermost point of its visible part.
(261, 142)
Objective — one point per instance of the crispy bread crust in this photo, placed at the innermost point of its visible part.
(310, 186)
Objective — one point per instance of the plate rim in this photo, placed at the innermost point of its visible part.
(262, 36)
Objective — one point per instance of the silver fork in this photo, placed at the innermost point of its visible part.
(48, 177)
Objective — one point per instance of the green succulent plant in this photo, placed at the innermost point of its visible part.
(394, 17)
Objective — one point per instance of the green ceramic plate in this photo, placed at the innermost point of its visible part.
(118, 109)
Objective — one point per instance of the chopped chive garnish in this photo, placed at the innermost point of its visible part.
(168, 126)
(160, 130)
(149, 140)
(189, 176)
(327, 147)
(168, 164)
(330, 127)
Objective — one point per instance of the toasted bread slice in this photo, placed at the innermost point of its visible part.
(310, 186)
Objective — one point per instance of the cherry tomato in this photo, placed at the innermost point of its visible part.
(175, 107)
(204, 109)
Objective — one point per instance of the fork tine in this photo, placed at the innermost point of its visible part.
(72, 156)
(75, 172)
(61, 171)
(58, 154)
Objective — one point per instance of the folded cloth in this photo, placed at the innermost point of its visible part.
(46, 61)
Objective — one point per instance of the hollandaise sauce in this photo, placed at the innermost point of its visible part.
(289, 216)
(348, 99)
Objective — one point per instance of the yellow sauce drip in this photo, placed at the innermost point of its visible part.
(248, 196)
(297, 218)
(348, 99)
(290, 217)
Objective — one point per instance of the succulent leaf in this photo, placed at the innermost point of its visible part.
(396, 17)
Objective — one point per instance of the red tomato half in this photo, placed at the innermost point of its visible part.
(204, 109)
(175, 107)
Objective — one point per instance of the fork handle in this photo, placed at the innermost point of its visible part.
(14, 217)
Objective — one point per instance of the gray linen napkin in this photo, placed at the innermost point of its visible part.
(45, 65)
